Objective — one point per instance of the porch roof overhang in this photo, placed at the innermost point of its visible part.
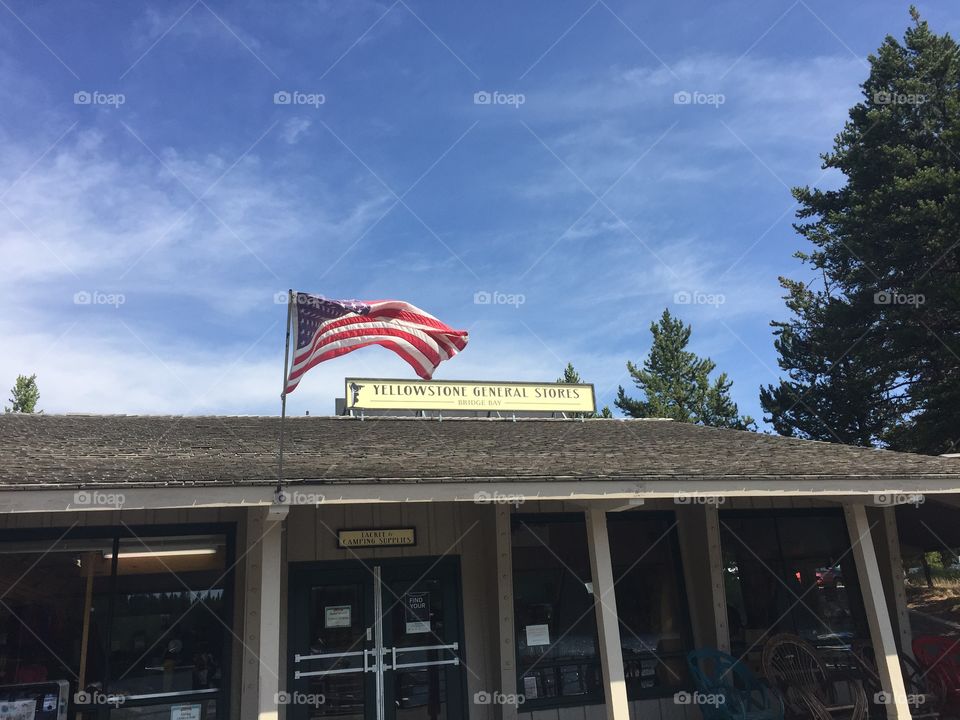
(161, 461)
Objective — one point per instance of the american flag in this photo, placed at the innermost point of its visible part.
(325, 329)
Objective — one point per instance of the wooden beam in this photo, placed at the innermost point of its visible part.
(261, 637)
(508, 650)
(717, 585)
(90, 560)
(891, 569)
(855, 489)
(608, 624)
(881, 630)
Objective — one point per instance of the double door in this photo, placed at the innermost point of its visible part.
(380, 640)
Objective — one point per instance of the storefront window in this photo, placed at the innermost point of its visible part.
(48, 594)
(555, 619)
(554, 616)
(654, 620)
(790, 572)
(133, 624)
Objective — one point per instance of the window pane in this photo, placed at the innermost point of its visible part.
(819, 567)
(338, 625)
(48, 623)
(798, 539)
(554, 616)
(654, 620)
(207, 711)
(169, 624)
(802, 581)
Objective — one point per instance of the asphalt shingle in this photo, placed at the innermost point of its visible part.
(48, 451)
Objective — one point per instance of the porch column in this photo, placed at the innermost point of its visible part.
(881, 630)
(605, 603)
(262, 599)
(718, 588)
(508, 652)
(891, 570)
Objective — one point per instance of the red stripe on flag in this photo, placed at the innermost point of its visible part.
(419, 332)
(454, 342)
(418, 368)
(428, 351)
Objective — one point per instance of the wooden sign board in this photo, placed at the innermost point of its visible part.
(385, 537)
(452, 395)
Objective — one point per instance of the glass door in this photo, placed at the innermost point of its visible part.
(331, 644)
(423, 673)
(379, 642)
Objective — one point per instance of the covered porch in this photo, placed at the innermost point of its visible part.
(538, 570)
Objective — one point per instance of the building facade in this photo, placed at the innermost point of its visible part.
(435, 569)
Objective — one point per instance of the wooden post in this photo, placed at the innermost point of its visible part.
(891, 571)
(608, 624)
(881, 630)
(508, 651)
(89, 558)
(717, 585)
(261, 636)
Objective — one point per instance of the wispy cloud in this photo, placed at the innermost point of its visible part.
(600, 198)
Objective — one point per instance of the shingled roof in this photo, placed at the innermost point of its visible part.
(58, 451)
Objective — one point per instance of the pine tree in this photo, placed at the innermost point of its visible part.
(676, 382)
(572, 377)
(872, 350)
(24, 395)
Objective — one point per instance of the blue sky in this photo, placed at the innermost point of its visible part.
(148, 163)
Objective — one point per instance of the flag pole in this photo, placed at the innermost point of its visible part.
(283, 395)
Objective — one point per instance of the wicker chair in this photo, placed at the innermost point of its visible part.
(924, 702)
(793, 667)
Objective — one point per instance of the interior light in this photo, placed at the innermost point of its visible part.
(161, 553)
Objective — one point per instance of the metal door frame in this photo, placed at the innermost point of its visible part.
(376, 658)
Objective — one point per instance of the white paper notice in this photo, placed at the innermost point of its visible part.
(538, 635)
(18, 710)
(530, 688)
(184, 712)
(417, 612)
(336, 616)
